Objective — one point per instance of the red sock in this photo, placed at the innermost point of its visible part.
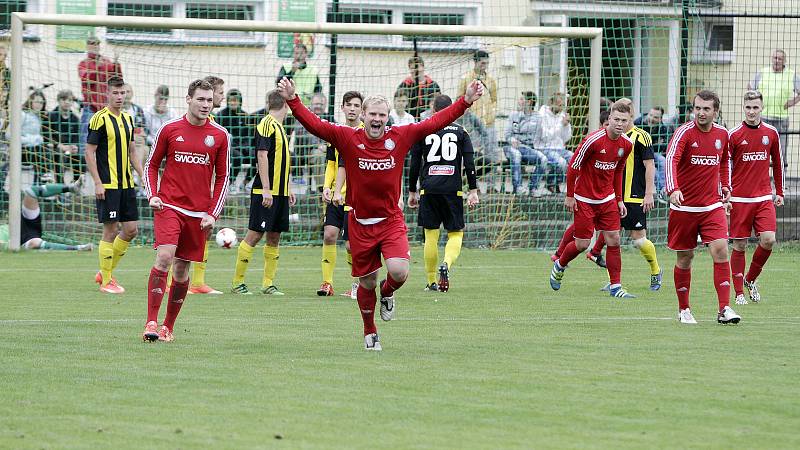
(570, 252)
(177, 293)
(613, 264)
(737, 269)
(683, 282)
(597, 250)
(759, 259)
(390, 285)
(366, 304)
(569, 236)
(156, 285)
(722, 283)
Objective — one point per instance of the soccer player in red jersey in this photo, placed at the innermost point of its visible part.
(594, 195)
(373, 158)
(698, 184)
(754, 147)
(196, 151)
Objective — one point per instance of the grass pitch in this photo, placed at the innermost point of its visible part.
(500, 361)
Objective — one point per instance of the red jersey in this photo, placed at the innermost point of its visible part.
(751, 148)
(697, 165)
(194, 154)
(94, 73)
(595, 171)
(374, 167)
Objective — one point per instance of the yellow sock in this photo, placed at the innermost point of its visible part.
(169, 277)
(270, 265)
(328, 262)
(349, 259)
(243, 256)
(431, 254)
(648, 251)
(120, 247)
(453, 247)
(106, 256)
(199, 270)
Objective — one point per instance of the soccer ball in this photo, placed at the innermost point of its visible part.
(226, 238)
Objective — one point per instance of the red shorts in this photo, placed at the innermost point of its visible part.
(182, 231)
(388, 237)
(746, 217)
(684, 227)
(590, 217)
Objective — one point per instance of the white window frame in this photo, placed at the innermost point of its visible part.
(32, 32)
(470, 9)
(194, 36)
(700, 39)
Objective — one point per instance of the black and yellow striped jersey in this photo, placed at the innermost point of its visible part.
(271, 138)
(112, 135)
(633, 179)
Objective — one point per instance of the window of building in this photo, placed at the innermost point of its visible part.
(235, 10)
(713, 41)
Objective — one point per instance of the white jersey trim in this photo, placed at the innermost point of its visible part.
(696, 209)
(197, 214)
(368, 220)
(763, 198)
(594, 201)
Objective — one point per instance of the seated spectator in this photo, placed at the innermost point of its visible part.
(237, 122)
(653, 123)
(33, 149)
(420, 87)
(309, 150)
(399, 116)
(63, 130)
(139, 132)
(157, 114)
(485, 108)
(521, 133)
(555, 130)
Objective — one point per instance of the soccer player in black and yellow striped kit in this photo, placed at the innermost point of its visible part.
(270, 198)
(110, 155)
(638, 182)
(336, 214)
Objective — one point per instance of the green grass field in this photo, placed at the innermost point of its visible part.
(500, 361)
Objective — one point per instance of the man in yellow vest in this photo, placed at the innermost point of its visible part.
(306, 78)
(780, 88)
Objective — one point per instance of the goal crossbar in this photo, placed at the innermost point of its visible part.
(19, 20)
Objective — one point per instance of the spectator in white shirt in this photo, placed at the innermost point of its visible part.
(555, 132)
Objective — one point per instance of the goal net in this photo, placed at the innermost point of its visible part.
(524, 69)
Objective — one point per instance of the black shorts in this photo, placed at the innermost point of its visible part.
(636, 218)
(31, 229)
(274, 219)
(336, 216)
(118, 206)
(438, 209)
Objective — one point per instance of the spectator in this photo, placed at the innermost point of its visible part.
(309, 150)
(555, 132)
(63, 129)
(421, 88)
(781, 90)
(306, 78)
(485, 109)
(428, 108)
(653, 123)
(399, 116)
(33, 148)
(521, 132)
(137, 114)
(237, 122)
(157, 114)
(94, 72)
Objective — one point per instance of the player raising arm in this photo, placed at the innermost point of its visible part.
(195, 151)
(754, 147)
(373, 158)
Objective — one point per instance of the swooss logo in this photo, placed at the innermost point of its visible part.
(376, 163)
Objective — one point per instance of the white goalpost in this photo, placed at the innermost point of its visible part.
(20, 65)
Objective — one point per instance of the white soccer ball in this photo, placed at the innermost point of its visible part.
(226, 238)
